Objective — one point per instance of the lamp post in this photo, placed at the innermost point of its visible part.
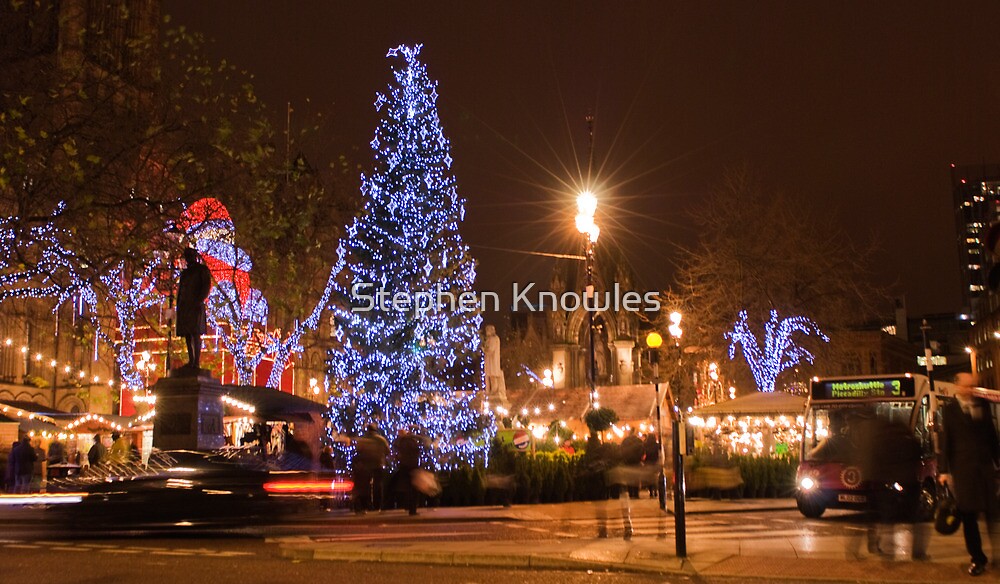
(680, 531)
(586, 204)
(928, 353)
(972, 360)
(653, 341)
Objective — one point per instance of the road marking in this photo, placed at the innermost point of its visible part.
(67, 548)
(120, 551)
(397, 535)
(22, 546)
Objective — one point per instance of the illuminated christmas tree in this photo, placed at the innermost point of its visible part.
(780, 352)
(412, 364)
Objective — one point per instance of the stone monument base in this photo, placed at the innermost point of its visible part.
(189, 412)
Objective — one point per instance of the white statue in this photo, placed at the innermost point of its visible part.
(495, 385)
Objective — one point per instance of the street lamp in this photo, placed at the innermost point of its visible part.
(972, 359)
(680, 531)
(653, 341)
(586, 204)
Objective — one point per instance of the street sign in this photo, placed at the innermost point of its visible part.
(521, 440)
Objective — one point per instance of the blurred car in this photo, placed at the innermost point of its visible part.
(189, 486)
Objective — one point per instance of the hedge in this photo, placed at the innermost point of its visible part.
(557, 477)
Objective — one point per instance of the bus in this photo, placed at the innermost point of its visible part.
(837, 411)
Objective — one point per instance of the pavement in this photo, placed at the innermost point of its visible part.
(765, 550)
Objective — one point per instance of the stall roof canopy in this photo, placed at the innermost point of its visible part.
(34, 417)
(34, 408)
(630, 402)
(271, 403)
(777, 402)
(25, 425)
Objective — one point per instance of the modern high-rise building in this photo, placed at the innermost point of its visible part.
(976, 198)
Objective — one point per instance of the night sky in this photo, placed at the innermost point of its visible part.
(859, 107)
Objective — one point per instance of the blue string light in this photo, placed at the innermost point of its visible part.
(780, 351)
(404, 368)
(35, 263)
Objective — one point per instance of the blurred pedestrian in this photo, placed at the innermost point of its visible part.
(120, 448)
(406, 451)
(97, 452)
(38, 467)
(632, 451)
(326, 460)
(57, 452)
(24, 465)
(9, 474)
(651, 458)
(371, 450)
(969, 456)
(893, 470)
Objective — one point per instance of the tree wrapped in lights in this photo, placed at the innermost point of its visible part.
(416, 366)
(780, 352)
(35, 263)
(130, 294)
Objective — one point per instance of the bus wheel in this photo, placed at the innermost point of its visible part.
(810, 508)
(927, 501)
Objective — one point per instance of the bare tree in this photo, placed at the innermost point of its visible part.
(761, 250)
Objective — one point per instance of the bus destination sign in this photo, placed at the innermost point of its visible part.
(877, 388)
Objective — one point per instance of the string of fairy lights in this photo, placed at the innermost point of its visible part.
(756, 435)
(67, 368)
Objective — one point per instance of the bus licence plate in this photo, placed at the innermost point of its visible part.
(848, 498)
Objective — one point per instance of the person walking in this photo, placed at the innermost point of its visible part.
(651, 459)
(969, 455)
(24, 465)
(369, 466)
(97, 452)
(893, 469)
(406, 451)
(120, 448)
(9, 475)
(632, 452)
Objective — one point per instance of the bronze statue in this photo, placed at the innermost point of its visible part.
(195, 283)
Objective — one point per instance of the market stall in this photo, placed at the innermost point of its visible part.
(757, 424)
(272, 420)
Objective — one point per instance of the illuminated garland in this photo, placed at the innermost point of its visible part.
(68, 368)
(282, 349)
(130, 296)
(18, 412)
(779, 353)
(402, 368)
(34, 262)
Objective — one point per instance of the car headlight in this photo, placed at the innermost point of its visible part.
(807, 483)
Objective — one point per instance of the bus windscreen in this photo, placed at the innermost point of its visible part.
(878, 387)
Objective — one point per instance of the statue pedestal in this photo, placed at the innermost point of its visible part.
(188, 413)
